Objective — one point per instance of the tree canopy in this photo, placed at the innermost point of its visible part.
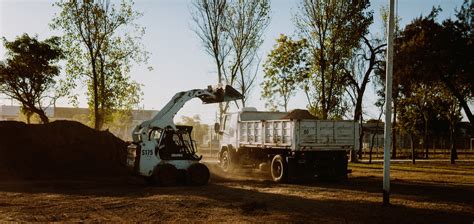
(29, 73)
(432, 52)
(286, 66)
(231, 33)
(102, 41)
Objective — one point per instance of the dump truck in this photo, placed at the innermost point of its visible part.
(289, 146)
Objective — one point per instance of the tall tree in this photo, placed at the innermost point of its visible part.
(28, 75)
(102, 40)
(210, 19)
(333, 30)
(231, 33)
(286, 65)
(359, 69)
(442, 52)
(247, 21)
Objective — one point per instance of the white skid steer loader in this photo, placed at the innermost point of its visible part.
(165, 153)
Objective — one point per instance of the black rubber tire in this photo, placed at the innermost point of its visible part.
(166, 175)
(279, 169)
(150, 180)
(226, 161)
(197, 174)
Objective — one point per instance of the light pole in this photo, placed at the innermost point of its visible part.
(388, 108)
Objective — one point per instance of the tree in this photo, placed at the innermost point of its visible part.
(231, 33)
(210, 18)
(333, 30)
(28, 75)
(247, 21)
(286, 65)
(409, 122)
(437, 52)
(359, 69)
(101, 41)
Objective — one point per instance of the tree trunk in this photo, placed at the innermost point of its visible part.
(461, 100)
(412, 149)
(43, 117)
(454, 154)
(102, 92)
(359, 117)
(28, 118)
(97, 118)
(425, 139)
(372, 147)
(41, 114)
(361, 139)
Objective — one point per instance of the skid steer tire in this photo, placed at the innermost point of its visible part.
(150, 180)
(279, 169)
(197, 174)
(166, 175)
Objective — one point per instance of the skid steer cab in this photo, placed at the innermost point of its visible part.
(171, 161)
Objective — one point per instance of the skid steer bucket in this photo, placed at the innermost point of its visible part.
(221, 94)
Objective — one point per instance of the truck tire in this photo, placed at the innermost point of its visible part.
(226, 162)
(197, 174)
(279, 169)
(166, 175)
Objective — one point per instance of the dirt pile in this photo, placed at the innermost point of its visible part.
(60, 149)
(298, 114)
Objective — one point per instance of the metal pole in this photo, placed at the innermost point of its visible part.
(388, 108)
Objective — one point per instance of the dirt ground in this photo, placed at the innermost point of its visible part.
(425, 193)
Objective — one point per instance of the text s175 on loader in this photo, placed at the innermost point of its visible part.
(163, 152)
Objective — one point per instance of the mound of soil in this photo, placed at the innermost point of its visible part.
(60, 149)
(299, 114)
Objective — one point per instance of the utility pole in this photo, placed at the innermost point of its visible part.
(388, 108)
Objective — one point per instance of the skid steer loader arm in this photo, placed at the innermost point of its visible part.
(164, 118)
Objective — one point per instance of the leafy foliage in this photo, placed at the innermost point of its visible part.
(333, 30)
(29, 73)
(440, 52)
(286, 66)
(102, 41)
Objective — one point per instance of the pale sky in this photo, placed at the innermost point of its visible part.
(177, 55)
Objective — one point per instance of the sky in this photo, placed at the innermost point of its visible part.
(177, 56)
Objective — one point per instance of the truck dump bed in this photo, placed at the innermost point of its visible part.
(298, 135)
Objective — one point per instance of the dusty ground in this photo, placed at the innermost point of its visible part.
(425, 193)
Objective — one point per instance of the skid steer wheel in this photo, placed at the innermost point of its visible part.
(279, 169)
(197, 174)
(166, 175)
(150, 180)
(226, 161)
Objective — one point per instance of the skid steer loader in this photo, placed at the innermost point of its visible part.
(164, 153)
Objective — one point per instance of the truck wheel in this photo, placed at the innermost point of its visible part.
(226, 161)
(279, 169)
(197, 174)
(166, 175)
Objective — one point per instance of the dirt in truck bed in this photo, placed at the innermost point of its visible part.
(299, 114)
(60, 149)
